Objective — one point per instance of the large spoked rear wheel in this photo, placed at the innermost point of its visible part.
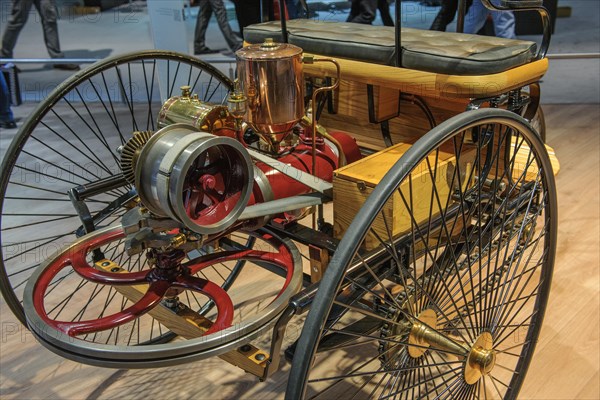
(71, 140)
(444, 297)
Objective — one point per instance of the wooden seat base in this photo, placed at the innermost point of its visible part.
(432, 84)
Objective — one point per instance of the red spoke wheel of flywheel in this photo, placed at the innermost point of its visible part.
(96, 312)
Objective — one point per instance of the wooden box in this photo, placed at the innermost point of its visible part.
(353, 183)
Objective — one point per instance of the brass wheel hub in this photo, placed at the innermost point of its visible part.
(423, 334)
(481, 359)
(417, 339)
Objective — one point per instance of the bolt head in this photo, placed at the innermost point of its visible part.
(245, 348)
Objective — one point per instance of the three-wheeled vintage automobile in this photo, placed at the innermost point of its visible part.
(390, 183)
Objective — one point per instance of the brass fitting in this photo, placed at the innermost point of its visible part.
(178, 240)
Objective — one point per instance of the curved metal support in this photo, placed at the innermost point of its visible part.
(534, 101)
(422, 104)
(528, 5)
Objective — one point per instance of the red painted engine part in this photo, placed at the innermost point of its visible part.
(348, 143)
(300, 157)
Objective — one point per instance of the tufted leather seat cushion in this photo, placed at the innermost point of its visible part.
(440, 52)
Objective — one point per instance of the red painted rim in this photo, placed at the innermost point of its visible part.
(76, 258)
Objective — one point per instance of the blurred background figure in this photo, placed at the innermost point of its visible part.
(446, 14)
(384, 10)
(504, 21)
(7, 120)
(247, 13)
(207, 8)
(292, 8)
(18, 17)
(362, 11)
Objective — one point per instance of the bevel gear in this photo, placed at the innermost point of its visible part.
(131, 151)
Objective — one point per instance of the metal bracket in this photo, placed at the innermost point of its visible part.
(187, 323)
(319, 259)
(283, 205)
(139, 218)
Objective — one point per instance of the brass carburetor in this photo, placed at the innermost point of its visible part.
(205, 117)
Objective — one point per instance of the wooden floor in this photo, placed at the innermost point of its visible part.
(566, 364)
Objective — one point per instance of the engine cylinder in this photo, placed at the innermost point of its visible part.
(203, 181)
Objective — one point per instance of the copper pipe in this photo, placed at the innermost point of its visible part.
(311, 60)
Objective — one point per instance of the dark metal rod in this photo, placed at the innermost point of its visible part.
(573, 56)
(460, 19)
(398, 32)
(101, 186)
(282, 18)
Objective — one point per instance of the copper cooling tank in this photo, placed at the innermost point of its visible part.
(270, 75)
